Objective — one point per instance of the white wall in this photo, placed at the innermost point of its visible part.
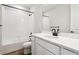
(13, 21)
(60, 16)
(38, 19)
(16, 25)
(0, 27)
(45, 22)
(0, 13)
(75, 18)
(31, 20)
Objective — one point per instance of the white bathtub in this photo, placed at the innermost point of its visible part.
(11, 45)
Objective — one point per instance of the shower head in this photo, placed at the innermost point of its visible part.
(30, 14)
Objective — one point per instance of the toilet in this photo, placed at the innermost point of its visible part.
(27, 47)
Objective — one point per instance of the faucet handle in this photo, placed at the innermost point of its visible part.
(57, 30)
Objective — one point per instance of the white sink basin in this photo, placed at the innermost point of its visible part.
(52, 37)
(69, 35)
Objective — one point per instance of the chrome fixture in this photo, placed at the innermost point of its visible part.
(55, 30)
(16, 8)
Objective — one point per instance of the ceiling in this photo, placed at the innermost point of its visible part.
(46, 7)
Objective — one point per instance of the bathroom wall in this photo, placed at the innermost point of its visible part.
(45, 22)
(0, 28)
(38, 19)
(31, 20)
(16, 29)
(16, 25)
(60, 16)
(75, 18)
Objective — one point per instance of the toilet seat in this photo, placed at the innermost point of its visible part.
(27, 44)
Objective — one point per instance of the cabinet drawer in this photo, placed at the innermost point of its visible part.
(41, 51)
(54, 49)
(66, 52)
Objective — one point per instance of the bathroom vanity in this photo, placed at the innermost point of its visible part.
(46, 44)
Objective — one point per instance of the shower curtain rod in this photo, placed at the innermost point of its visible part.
(45, 16)
(20, 9)
(16, 8)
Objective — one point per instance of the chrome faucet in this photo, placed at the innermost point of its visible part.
(55, 31)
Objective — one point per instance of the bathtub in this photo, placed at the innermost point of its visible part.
(11, 45)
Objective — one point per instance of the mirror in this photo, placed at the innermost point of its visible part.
(66, 16)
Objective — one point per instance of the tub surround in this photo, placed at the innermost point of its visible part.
(11, 47)
(69, 43)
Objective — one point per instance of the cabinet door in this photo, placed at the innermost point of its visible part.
(66, 52)
(53, 48)
(42, 51)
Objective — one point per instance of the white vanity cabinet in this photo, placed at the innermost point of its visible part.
(41, 50)
(48, 46)
(67, 52)
(41, 47)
